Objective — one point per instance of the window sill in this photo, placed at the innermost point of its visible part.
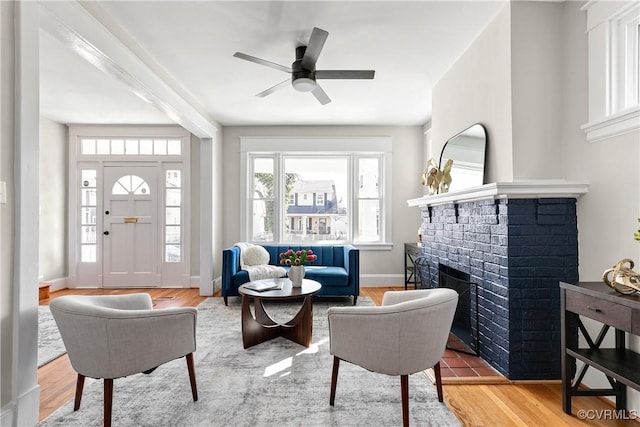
(615, 125)
(373, 246)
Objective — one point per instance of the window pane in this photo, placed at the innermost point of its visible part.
(88, 216)
(88, 253)
(88, 178)
(368, 184)
(263, 178)
(88, 146)
(172, 234)
(88, 234)
(120, 189)
(143, 188)
(319, 189)
(174, 147)
(146, 146)
(117, 146)
(173, 178)
(88, 197)
(173, 197)
(102, 146)
(160, 146)
(368, 221)
(131, 146)
(172, 253)
(172, 216)
(262, 225)
(139, 185)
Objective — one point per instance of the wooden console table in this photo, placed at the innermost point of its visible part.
(595, 300)
(411, 274)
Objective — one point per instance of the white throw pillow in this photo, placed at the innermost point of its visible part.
(255, 255)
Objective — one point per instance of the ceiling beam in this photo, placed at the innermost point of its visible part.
(87, 30)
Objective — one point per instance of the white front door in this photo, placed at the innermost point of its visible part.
(130, 242)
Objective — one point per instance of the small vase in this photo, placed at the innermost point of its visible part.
(296, 274)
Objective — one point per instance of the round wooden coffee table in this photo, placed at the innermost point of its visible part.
(261, 327)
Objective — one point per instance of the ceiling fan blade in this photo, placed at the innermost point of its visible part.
(345, 74)
(314, 47)
(273, 88)
(262, 62)
(321, 95)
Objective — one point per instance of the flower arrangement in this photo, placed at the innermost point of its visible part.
(292, 257)
(636, 235)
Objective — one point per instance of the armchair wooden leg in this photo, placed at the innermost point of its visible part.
(108, 401)
(192, 376)
(436, 370)
(334, 379)
(404, 385)
(79, 388)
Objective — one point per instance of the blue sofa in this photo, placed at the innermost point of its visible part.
(337, 269)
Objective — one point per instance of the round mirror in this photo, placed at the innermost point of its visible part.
(467, 151)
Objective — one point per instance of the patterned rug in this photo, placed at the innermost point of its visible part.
(50, 345)
(276, 383)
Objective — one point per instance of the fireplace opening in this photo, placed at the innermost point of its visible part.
(465, 320)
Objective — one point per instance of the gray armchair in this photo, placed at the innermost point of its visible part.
(407, 334)
(113, 336)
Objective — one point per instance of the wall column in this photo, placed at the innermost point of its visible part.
(206, 217)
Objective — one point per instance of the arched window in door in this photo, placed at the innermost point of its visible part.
(129, 184)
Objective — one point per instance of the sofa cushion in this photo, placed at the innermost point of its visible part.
(328, 276)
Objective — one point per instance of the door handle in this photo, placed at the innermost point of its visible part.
(106, 233)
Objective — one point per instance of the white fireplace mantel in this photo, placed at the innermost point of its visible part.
(507, 190)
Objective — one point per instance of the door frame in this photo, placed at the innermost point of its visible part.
(90, 274)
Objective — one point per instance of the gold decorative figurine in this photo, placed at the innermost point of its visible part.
(435, 179)
(622, 278)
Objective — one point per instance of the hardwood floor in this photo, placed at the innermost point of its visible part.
(513, 404)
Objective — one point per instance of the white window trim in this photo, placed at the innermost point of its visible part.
(610, 113)
(380, 145)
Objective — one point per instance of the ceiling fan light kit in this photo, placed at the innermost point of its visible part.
(303, 70)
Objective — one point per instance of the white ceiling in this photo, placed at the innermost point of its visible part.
(189, 45)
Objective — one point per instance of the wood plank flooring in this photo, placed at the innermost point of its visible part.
(514, 404)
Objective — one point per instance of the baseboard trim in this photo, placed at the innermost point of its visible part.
(6, 415)
(23, 413)
(56, 284)
(381, 280)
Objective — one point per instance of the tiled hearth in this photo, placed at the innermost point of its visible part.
(460, 365)
(516, 248)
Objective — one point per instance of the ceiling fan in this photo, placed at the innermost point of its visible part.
(303, 70)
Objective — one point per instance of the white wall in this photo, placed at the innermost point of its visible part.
(382, 267)
(53, 199)
(20, 393)
(6, 210)
(607, 214)
(536, 95)
(478, 90)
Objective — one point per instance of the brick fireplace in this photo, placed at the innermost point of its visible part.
(516, 241)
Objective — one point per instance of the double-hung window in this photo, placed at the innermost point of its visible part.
(297, 193)
(613, 30)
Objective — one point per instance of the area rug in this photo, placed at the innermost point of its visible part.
(50, 345)
(276, 383)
